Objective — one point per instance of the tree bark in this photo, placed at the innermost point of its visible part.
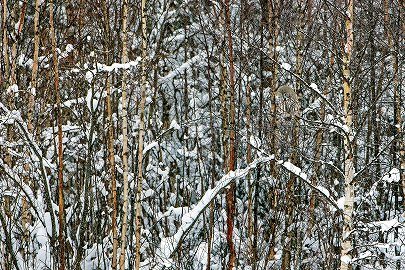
(230, 200)
(124, 59)
(398, 101)
(110, 141)
(138, 220)
(5, 43)
(345, 256)
(60, 146)
(274, 30)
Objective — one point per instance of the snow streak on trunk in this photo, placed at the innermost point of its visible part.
(345, 257)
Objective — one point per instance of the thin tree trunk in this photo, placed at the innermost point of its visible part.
(8, 244)
(60, 147)
(124, 59)
(138, 220)
(397, 151)
(274, 29)
(398, 101)
(110, 142)
(6, 58)
(33, 84)
(213, 172)
(258, 171)
(318, 147)
(15, 44)
(249, 160)
(345, 256)
(230, 200)
(30, 111)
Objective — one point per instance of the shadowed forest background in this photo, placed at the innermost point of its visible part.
(171, 134)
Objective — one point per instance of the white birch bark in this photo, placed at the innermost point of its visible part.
(345, 256)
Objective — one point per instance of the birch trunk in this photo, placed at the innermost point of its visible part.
(345, 256)
(124, 59)
(138, 220)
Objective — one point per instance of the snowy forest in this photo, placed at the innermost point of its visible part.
(201, 134)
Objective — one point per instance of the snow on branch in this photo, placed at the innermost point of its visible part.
(170, 244)
(37, 203)
(303, 176)
(110, 68)
(386, 225)
(15, 116)
(178, 70)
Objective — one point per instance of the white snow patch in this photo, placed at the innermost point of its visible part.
(13, 89)
(346, 259)
(149, 146)
(202, 253)
(174, 125)
(286, 66)
(314, 87)
(341, 203)
(255, 141)
(392, 176)
(387, 225)
(323, 190)
(89, 76)
(69, 48)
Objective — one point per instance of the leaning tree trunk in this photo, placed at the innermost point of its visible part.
(345, 256)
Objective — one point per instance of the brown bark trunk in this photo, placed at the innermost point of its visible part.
(274, 30)
(110, 142)
(124, 59)
(60, 147)
(398, 100)
(232, 137)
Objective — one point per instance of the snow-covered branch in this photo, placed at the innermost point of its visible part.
(170, 244)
